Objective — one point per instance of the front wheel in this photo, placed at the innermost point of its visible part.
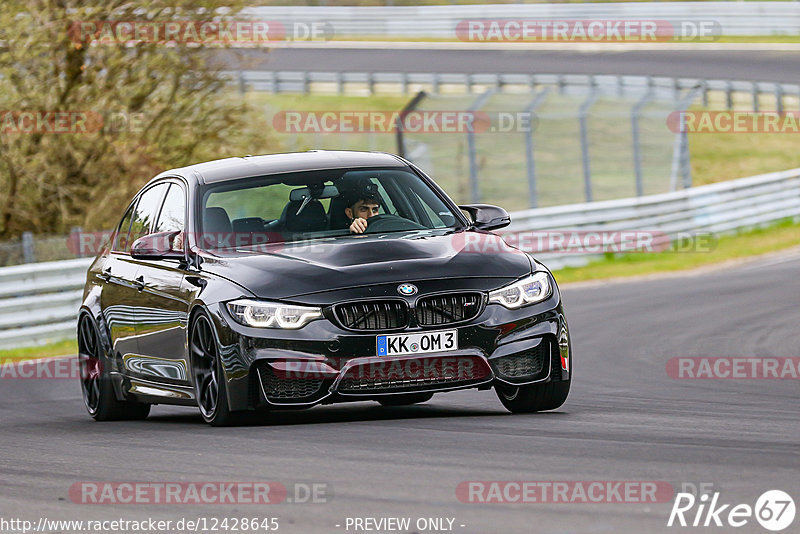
(209, 379)
(533, 397)
(406, 400)
(98, 392)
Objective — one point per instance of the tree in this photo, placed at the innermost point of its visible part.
(86, 119)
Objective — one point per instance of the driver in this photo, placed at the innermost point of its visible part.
(361, 205)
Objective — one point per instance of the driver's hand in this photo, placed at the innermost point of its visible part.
(358, 226)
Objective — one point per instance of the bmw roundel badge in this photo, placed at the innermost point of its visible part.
(407, 289)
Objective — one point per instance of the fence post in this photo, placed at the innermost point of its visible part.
(242, 86)
(637, 155)
(680, 147)
(28, 252)
(475, 192)
(408, 108)
(704, 84)
(686, 164)
(529, 147)
(755, 96)
(779, 98)
(583, 114)
(729, 95)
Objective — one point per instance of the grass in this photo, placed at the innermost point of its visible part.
(61, 348)
(754, 242)
(719, 157)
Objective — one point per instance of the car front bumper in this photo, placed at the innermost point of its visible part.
(323, 363)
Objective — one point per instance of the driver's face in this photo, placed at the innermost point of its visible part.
(363, 209)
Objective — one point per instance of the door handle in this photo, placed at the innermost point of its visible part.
(105, 275)
(139, 283)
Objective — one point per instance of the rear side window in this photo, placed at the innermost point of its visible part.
(121, 240)
(145, 213)
(173, 213)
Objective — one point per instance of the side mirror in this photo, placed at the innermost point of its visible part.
(160, 246)
(486, 216)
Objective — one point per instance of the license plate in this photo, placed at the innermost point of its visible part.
(400, 344)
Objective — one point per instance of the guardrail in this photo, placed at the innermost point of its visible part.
(661, 87)
(714, 208)
(734, 18)
(39, 302)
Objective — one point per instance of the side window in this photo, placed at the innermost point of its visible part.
(146, 211)
(121, 240)
(173, 214)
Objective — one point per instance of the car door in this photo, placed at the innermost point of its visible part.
(118, 292)
(162, 315)
(122, 295)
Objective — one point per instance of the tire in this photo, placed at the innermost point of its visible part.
(406, 400)
(98, 391)
(533, 397)
(209, 384)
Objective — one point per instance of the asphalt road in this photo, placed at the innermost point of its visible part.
(625, 420)
(758, 65)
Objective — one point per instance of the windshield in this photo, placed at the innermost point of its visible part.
(319, 204)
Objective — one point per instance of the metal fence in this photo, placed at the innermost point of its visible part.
(440, 21)
(726, 93)
(34, 248)
(588, 137)
(39, 302)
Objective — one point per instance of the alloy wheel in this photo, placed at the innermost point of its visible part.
(204, 354)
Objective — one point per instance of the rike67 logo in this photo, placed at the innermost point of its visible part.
(774, 510)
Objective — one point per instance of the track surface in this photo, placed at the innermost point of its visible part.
(774, 66)
(625, 420)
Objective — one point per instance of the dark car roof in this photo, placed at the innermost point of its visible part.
(234, 168)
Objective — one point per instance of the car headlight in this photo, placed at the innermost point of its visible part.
(529, 290)
(262, 314)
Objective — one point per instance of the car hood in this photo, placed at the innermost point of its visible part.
(282, 271)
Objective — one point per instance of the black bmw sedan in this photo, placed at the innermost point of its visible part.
(291, 280)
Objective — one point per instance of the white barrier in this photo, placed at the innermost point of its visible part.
(734, 18)
(714, 208)
(39, 301)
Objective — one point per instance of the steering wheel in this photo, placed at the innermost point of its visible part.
(386, 222)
